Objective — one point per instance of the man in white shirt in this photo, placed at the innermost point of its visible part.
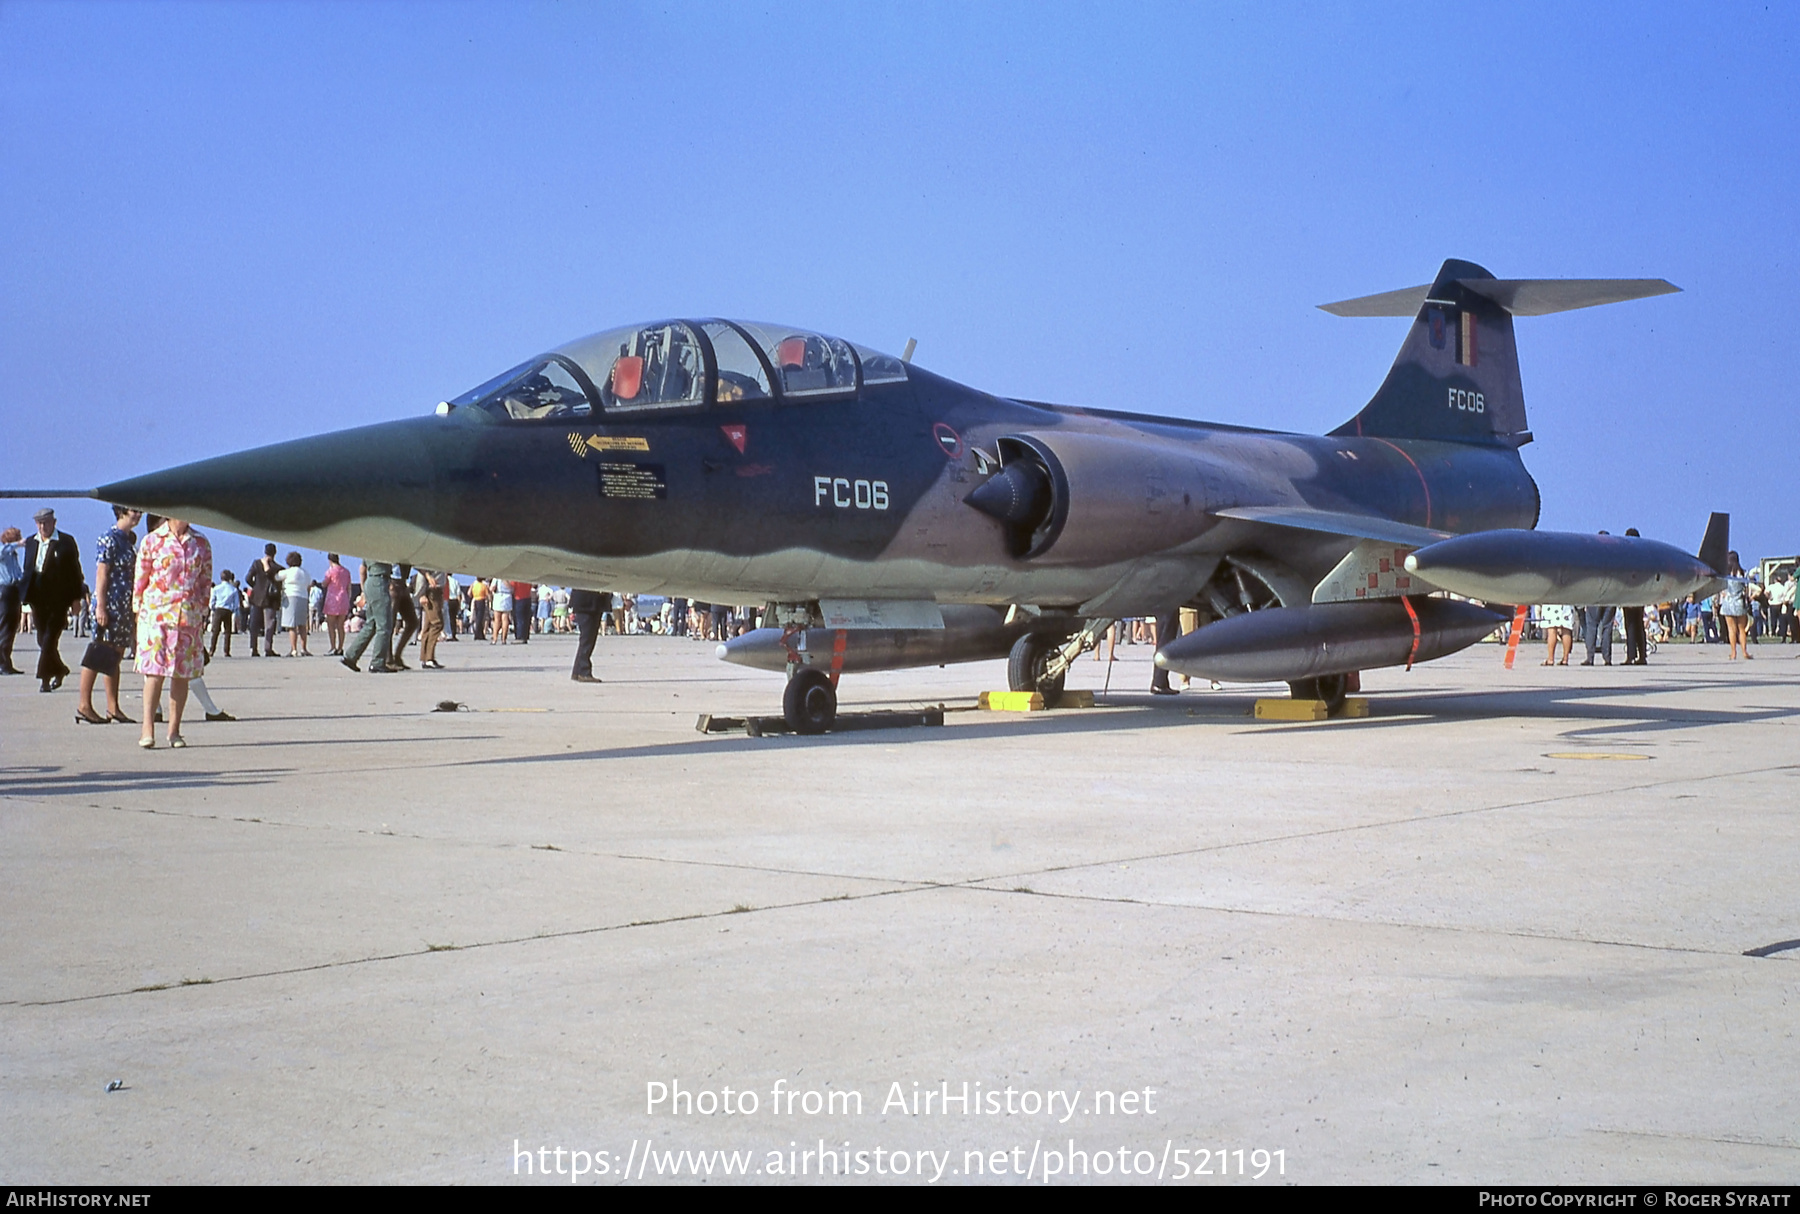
(1781, 605)
(224, 613)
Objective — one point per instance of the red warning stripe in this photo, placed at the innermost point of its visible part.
(837, 656)
(1518, 630)
(1414, 616)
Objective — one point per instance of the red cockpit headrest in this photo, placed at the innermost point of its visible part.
(628, 376)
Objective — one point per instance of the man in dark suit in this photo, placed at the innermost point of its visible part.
(1168, 627)
(587, 606)
(52, 585)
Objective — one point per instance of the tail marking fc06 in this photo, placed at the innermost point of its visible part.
(845, 494)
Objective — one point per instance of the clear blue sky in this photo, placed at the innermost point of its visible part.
(223, 225)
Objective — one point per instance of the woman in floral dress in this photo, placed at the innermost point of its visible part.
(174, 584)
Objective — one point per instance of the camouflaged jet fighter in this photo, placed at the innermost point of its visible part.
(891, 517)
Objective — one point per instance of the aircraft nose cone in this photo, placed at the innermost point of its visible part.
(302, 490)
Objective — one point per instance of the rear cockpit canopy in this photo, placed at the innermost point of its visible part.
(676, 364)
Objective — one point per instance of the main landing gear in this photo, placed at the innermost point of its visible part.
(1040, 661)
(1332, 689)
(1027, 668)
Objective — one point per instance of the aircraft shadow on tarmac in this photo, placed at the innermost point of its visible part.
(52, 781)
(1614, 710)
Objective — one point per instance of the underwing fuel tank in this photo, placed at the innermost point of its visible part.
(1506, 566)
(969, 634)
(1292, 643)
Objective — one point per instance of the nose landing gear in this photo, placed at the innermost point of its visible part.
(809, 705)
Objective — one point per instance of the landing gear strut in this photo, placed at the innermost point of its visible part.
(1333, 689)
(809, 705)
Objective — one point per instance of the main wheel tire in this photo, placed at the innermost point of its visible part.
(809, 705)
(1025, 667)
(1333, 689)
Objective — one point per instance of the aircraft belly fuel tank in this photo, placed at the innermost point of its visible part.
(1292, 643)
(1507, 566)
(969, 634)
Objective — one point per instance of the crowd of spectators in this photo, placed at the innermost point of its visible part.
(1744, 612)
(1753, 607)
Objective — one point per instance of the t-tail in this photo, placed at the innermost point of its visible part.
(1457, 374)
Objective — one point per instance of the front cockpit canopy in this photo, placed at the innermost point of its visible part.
(681, 364)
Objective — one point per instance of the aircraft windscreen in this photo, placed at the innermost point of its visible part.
(544, 387)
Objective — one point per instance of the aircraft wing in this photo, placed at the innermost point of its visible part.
(1337, 522)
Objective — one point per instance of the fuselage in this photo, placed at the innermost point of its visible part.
(860, 496)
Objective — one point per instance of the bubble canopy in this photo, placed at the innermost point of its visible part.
(681, 364)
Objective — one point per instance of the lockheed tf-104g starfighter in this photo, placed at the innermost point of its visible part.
(891, 517)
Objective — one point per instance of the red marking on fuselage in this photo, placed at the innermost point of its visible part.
(1422, 482)
(738, 435)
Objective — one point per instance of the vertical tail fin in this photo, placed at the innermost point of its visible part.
(1457, 374)
(1715, 548)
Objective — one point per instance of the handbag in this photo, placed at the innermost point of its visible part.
(102, 657)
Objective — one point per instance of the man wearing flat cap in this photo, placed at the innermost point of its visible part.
(52, 585)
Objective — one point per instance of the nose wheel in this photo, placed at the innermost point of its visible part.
(809, 705)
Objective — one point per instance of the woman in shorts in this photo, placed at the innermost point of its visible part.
(502, 607)
(1733, 606)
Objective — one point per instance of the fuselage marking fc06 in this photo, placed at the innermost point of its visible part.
(1465, 401)
(844, 493)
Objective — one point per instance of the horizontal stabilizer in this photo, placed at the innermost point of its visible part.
(1405, 302)
(1338, 522)
(1520, 296)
